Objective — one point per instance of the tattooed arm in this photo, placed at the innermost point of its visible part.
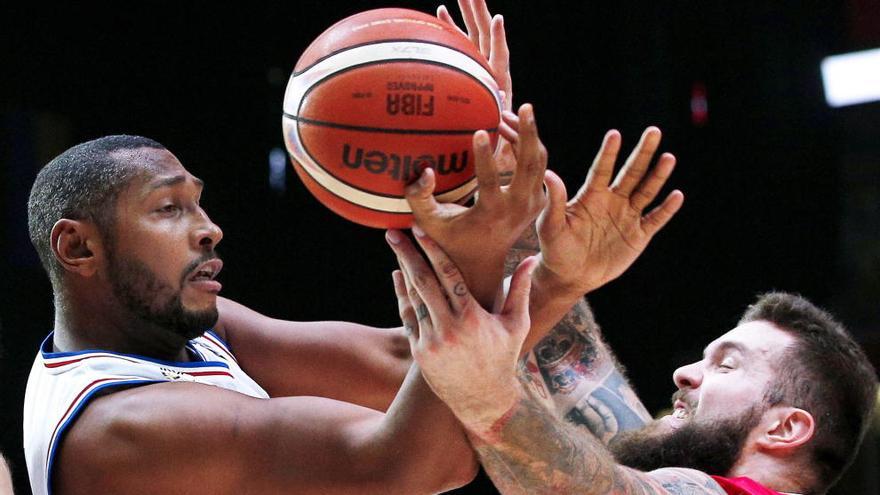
(573, 371)
(583, 244)
(529, 451)
(469, 358)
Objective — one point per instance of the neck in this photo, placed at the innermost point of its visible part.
(101, 323)
(782, 475)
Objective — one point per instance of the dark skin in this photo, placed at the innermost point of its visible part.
(148, 432)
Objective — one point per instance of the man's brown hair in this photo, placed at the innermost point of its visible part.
(825, 373)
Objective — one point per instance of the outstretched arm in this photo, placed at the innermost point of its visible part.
(344, 361)
(529, 451)
(469, 358)
(593, 238)
(192, 438)
(571, 369)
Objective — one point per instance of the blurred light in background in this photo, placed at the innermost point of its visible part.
(699, 104)
(852, 78)
(278, 170)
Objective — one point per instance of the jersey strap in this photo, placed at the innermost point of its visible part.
(745, 486)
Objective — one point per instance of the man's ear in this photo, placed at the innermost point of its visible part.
(76, 245)
(786, 428)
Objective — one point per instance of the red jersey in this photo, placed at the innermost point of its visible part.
(743, 486)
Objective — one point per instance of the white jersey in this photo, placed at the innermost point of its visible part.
(61, 384)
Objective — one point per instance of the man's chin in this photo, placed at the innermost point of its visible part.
(712, 447)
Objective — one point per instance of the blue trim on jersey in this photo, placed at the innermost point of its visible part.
(60, 435)
(48, 354)
(220, 339)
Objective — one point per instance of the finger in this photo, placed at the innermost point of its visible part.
(510, 119)
(423, 289)
(508, 133)
(531, 156)
(470, 23)
(662, 214)
(484, 22)
(486, 171)
(499, 60)
(516, 305)
(637, 163)
(420, 194)
(421, 315)
(447, 272)
(650, 187)
(405, 308)
(602, 168)
(552, 218)
(443, 15)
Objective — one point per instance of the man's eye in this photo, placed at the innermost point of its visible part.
(170, 208)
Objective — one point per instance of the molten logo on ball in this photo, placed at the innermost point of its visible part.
(378, 97)
(404, 168)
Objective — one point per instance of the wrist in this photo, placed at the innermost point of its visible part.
(485, 420)
(550, 284)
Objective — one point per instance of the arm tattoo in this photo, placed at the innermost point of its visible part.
(574, 372)
(587, 385)
(536, 452)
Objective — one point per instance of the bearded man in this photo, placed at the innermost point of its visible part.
(779, 404)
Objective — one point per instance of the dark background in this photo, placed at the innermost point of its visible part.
(782, 192)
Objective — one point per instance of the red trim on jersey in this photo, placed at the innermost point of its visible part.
(743, 486)
(70, 408)
(222, 347)
(208, 373)
(70, 361)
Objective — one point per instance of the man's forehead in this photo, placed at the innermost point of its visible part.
(157, 168)
(148, 159)
(754, 337)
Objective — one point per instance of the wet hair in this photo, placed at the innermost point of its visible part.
(81, 183)
(826, 373)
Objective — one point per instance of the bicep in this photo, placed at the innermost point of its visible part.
(345, 361)
(192, 438)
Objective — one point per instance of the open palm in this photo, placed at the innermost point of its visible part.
(593, 238)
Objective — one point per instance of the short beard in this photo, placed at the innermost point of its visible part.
(712, 447)
(155, 302)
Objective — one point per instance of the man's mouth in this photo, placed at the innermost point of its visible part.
(204, 275)
(680, 411)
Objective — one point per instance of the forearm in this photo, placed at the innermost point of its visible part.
(532, 452)
(420, 442)
(344, 361)
(574, 371)
(548, 302)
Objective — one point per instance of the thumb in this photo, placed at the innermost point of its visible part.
(420, 194)
(552, 217)
(516, 305)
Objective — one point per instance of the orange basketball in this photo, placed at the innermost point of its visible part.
(376, 98)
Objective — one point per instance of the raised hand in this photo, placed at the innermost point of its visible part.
(487, 33)
(467, 355)
(595, 237)
(478, 238)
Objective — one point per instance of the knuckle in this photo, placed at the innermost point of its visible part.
(448, 268)
(420, 280)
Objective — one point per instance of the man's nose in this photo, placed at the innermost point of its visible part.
(689, 376)
(208, 234)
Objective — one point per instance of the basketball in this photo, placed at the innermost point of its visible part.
(376, 98)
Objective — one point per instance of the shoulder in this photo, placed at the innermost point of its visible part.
(150, 432)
